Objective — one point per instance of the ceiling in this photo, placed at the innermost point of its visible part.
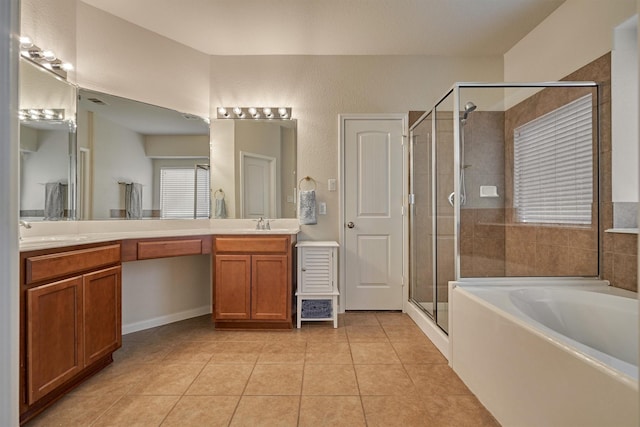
(337, 27)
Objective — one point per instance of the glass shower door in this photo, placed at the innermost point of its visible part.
(422, 256)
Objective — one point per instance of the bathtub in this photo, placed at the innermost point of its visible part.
(562, 353)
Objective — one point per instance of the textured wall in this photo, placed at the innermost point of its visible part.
(319, 88)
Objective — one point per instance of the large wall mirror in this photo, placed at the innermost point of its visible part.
(253, 167)
(47, 141)
(139, 161)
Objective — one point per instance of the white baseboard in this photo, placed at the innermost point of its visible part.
(430, 329)
(163, 320)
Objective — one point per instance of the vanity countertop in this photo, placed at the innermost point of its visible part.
(47, 235)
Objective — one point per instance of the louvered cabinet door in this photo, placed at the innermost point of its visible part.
(316, 269)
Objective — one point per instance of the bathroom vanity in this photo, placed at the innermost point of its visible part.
(71, 292)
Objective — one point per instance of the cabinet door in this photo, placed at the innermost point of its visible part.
(54, 335)
(102, 313)
(316, 268)
(270, 287)
(233, 287)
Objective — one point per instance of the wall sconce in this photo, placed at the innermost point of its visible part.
(45, 58)
(254, 113)
(41, 114)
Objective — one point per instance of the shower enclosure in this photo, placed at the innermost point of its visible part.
(503, 183)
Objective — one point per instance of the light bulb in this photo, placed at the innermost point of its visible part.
(267, 112)
(66, 66)
(237, 111)
(283, 112)
(49, 55)
(25, 42)
(222, 111)
(252, 111)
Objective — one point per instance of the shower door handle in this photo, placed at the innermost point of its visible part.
(350, 224)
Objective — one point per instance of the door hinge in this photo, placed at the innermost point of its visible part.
(404, 139)
(412, 199)
(404, 211)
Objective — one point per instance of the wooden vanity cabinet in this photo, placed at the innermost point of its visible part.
(70, 320)
(252, 282)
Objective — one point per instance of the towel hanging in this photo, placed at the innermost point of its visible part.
(133, 200)
(221, 206)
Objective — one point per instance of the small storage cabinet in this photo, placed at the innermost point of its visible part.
(317, 293)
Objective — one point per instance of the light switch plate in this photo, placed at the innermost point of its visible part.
(322, 209)
(332, 184)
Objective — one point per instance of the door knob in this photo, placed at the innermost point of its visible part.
(350, 224)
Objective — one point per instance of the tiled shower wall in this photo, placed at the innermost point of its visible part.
(492, 245)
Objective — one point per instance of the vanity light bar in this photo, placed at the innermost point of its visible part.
(41, 114)
(254, 112)
(44, 58)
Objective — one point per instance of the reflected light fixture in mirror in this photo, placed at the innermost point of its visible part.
(43, 58)
(254, 112)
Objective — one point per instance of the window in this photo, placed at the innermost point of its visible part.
(177, 192)
(553, 166)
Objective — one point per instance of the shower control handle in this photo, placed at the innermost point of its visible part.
(350, 224)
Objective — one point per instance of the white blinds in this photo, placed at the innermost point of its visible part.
(553, 166)
(177, 192)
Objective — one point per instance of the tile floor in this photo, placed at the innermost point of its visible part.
(376, 369)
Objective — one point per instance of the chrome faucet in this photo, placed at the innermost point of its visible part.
(259, 223)
(24, 224)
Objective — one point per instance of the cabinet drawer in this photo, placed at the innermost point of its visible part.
(267, 244)
(169, 248)
(46, 267)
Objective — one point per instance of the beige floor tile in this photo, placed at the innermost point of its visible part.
(142, 352)
(361, 319)
(234, 358)
(238, 347)
(207, 334)
(167, 379)
(373, 353)
(138, 411)
(74, 410)
(281, 358)
(366, 334)
(405, 411)
(266, 411)
(285, 347)
(418, 352)
(248, 336)
(328, 359)
(115, 379)
(288, 335)
(436, 380)
(459, 411)
(221, 380)
(334, 411)
(329, 380)
(405, 333)
(140, 336)
(328, 347)
(393, 318)
(190, 352)
(383, 380)
(269, 380)
(210, 411)
(326, 335)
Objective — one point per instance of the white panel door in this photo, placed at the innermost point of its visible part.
(373, 214)
(258, 186)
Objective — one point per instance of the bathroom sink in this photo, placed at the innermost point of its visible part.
(58, 238)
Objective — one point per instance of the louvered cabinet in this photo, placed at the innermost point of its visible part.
(317, 293)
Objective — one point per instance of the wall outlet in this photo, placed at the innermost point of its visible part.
(322, 208)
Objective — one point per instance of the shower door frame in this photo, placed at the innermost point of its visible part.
(455, 90)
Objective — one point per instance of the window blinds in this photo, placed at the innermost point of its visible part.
(177, 192)
(553, 166)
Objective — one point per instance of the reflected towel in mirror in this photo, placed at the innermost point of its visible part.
(221, 209)
(307, 207)
(133, 200)
(54, 196)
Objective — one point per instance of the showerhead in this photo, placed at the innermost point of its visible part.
(468, 108)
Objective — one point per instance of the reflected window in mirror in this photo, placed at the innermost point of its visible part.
(47, 145)
(124, 146)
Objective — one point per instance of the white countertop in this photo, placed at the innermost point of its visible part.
(47, 235)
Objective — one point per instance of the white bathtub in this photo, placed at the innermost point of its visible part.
(548, 354)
